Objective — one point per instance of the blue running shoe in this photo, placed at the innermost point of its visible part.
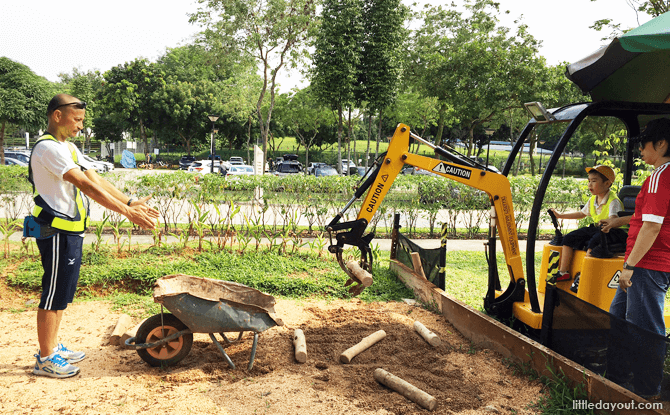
(68, 355)
(54, 366)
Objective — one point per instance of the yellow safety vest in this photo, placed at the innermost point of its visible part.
(58, 220)
(605, 212)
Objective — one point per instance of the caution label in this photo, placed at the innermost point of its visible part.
(445, 168)
(614, 282)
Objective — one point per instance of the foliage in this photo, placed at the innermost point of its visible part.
(23, 98)
(269, 33)
(474, 67)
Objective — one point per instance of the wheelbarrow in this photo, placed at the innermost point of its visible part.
(201, 305)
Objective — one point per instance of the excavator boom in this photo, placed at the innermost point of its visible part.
(457, 168)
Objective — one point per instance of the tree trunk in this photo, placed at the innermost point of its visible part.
(379, 134)
(2, 143)
(440, 127)
(367, 151)
(471, 139)
(531, 150)
(349, 141)
(339, 139)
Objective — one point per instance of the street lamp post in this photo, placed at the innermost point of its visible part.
(213, 119)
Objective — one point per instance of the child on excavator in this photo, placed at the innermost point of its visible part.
(603, 204)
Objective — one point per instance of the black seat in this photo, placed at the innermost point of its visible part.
(627, 194)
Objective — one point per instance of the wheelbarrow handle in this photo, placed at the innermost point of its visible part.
(130, 343)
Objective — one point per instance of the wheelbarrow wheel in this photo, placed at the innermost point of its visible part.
(156, 329)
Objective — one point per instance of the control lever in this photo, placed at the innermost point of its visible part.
(557, 240)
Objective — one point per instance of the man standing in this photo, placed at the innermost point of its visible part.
(645, 278)
(62, 180)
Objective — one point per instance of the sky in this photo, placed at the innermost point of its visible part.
(53, 37)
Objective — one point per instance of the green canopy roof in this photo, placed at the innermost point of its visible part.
(651, 36)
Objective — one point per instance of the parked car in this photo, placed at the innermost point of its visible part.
(204, 166)
(236, 170)
(19, 155)
(185, 162)
(99, 166)
(288, 167)
(9, 161)
(314, 165)
(348, 163)
(236, 160)
(290, 157)
(325, 170)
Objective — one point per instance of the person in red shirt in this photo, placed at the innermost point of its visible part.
(645, 277)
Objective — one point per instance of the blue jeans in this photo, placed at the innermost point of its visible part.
(643, 305)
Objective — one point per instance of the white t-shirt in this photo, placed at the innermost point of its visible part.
(50, 160)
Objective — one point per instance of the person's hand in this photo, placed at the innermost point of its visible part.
(606, 224)
(625, 279)
(558, 215)
(142, 202)
(142, 214)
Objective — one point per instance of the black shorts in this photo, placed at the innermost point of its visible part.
(61, 260)
(589, 237)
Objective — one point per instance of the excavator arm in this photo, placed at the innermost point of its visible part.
(458, 168)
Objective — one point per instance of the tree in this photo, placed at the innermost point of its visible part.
(380, 64)
(272, 33)
(127, 92)
(87, 87)
(473, 66)
(304, 116)
(336, 58)
(23, 98)
(198, 85)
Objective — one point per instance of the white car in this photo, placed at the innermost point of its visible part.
(100, 166)
(9, 161)
(236, 170)
(204, 166)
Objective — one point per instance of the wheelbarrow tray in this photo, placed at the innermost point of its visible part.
(207, 305)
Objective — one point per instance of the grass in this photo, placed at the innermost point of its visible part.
(127, 279)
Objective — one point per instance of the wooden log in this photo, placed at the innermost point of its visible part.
(363, 276)
(363, 345)
(130, 333)
(406, 389)
(416, 263)
(300, 346)
(122, 324)
(427, 335)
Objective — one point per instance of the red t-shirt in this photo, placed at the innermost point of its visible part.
(653, 205)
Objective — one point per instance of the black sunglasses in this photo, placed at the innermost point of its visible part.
(79, 105)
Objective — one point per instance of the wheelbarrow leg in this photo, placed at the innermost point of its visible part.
(225, 355)
(253, 352)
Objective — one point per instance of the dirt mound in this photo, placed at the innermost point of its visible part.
(463, 379)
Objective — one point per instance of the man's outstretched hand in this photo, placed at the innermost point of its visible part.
(142, 214)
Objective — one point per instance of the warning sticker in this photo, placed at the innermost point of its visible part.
(445, 168)
(614, 282)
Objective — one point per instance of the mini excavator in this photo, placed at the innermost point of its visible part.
(523, 297)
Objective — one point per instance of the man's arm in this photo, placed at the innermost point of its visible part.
(100, 181)
(645, 239)
(138, 214)
(614, 222)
